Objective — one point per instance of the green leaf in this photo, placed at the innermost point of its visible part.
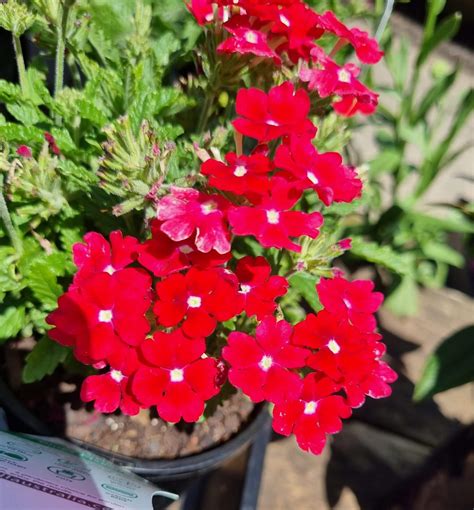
(397, 62)
(11, 132)
(43, 282)
(450, 366)
(444, 31)
(442, 253)
(434, 95)
(12, 320)
(386, 162)
(385, 256)
(403, 300)
(305, 285)
(43, 360)
(27, 113)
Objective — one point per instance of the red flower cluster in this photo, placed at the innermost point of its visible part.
(285, 31)
(146, 315)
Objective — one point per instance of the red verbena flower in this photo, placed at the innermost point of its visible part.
(52, 143)
(353, 301)
(186, 212)
(271, 221)
(103, 312)
(24, 151)
(315, 412)
(258, 288)
(96, 255)
(246, 39)
(261, 366)
(242, 175)
(366, 48)
(201, 298)
(163, 256)
(268, 116)
(325, 173)
(179, 379)
(202, 10)
(329, 79)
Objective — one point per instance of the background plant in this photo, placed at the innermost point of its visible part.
(393, 228)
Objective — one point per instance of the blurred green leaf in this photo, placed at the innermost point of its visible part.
(43, 360)
(12, 320)
(42, 281)
(442, 253)
(383, 256)
(443, 32)
(450, 366)
(403, 300)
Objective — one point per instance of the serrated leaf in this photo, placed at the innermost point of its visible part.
(11, 132)
(305, 285)
(43, 360)
(43, 283)
(26, 113)
(450, 366)
(12, 320)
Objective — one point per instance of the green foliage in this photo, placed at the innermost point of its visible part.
(393, 233)
(451, 365)
(43, 360)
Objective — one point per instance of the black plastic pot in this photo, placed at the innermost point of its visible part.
(174, 475)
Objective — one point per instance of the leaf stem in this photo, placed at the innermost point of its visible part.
(20, 62)
(205, 114)
(7, 221)
(63, 13)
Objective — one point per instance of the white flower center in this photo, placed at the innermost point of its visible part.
(185, 249)
(116, 375)
(310, 407)
(109, 269)
(265, 363)
(273, 217)
(271, 122)
(194, 301)
(177, 375)
(245, 289)
(284, 20)
(333, 346)
(344, 76)
(347, 303)
(312, 177)
(208, 207)
(251, 37)
(106, 316)
(240, 171)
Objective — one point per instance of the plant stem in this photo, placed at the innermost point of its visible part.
(205, 113)
(63, 12)
(7, 221)
(20, 62)
(384, 19)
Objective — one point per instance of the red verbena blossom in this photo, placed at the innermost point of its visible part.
(186, 213)
(103, 312)
(272, 222)
(258, 288)
(268, 116)
(329, 79)
(325, 173)
(353, 301)
(246, 39)
(178, 379)
(163, 256)
(201, 298)
(111, 390)
(366, 48)
(313, 414)
(24, 151)
(96, 255)
(242, 175)
(52, 143)
(202, 10)
(261, 366)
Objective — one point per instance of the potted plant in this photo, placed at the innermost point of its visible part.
(198, 235)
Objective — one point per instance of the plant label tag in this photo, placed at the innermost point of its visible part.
(52, 474)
